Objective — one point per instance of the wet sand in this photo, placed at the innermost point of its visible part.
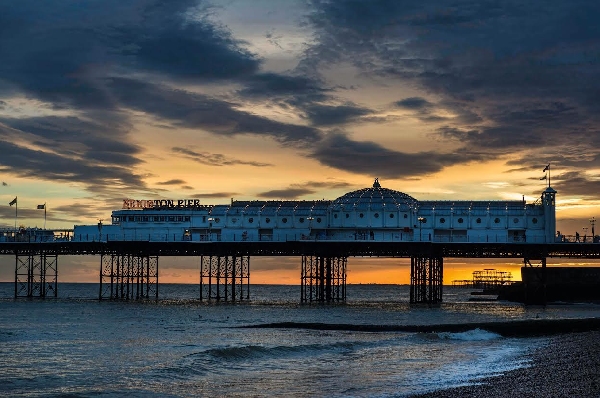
(568, 366)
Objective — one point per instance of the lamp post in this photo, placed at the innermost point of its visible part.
(421, 220)
(593, 222)
(309, 219)
(210, 221)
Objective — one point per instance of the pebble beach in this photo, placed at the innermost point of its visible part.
(568, 366)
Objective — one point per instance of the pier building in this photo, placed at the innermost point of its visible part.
(374, 213)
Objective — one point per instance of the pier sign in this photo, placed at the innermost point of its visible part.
(160, 203)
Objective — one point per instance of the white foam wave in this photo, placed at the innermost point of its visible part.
(471, 335)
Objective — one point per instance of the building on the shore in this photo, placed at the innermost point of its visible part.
(373, 213)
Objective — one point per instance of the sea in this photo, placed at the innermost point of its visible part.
(178, 346)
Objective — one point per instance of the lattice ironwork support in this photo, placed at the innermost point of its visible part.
(535, 286)
(128, 277)
(225, 278)
(426, 279)
(323, 279)
(36, 275)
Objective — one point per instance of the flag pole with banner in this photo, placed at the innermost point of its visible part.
(40, 207)
(547, 168)
(14, 202)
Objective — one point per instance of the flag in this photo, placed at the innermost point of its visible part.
(544, 177)
(547, 167)
(13, 202)
(41, 207)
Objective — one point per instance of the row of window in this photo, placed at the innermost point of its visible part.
(284, 220)
(151, 219)
(478, 220)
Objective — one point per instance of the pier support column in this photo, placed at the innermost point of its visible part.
(225, 278)
(323, 279)
(128, 277)
(426, 278)
(36, 275)
(535, 281)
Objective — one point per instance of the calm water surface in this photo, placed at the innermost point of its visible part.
(78, 346)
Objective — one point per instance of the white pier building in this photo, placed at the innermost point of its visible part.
(374, 213)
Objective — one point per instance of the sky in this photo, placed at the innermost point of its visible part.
(102, 100)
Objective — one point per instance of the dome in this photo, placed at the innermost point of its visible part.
(375, 198)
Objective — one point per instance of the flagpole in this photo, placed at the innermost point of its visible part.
(548, 175)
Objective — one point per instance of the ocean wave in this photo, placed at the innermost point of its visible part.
(256, 351)
(470, 335)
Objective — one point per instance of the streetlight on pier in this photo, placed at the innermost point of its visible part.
(210, 221)
(593, 222)
(421, 220)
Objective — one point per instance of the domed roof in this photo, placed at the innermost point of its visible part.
(375, 198)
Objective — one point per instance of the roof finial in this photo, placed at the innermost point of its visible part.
(376, 183)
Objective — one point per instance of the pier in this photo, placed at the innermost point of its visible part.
(129, 270)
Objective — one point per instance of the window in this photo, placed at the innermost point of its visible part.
(284, 220)
(405, 216)
(496, 220)
(442, 220)
(301, 220)
(217, 219)
(180, 218)
(534, 220)
(130, 218)
(267, 220)
(335, 215)
(251, 220)
(187, 218)
(376, 215)
(145, 218)
(478, 221)
(361, 215)
(319, 220)
(460, 220)
(392, 215)
(347, 215)
(171, 218)
(156, 218)
(516, 220)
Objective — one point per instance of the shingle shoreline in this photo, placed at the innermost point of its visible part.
(568, 366)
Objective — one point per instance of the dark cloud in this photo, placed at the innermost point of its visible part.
(71, 163)
(171, 182)
(417, 103)
(215, 159)
(507, 76)
(327, 115)
(58, 52)
(289, 193)
(194, 110)
(295, 191)
(273, 85)
(372, 159)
